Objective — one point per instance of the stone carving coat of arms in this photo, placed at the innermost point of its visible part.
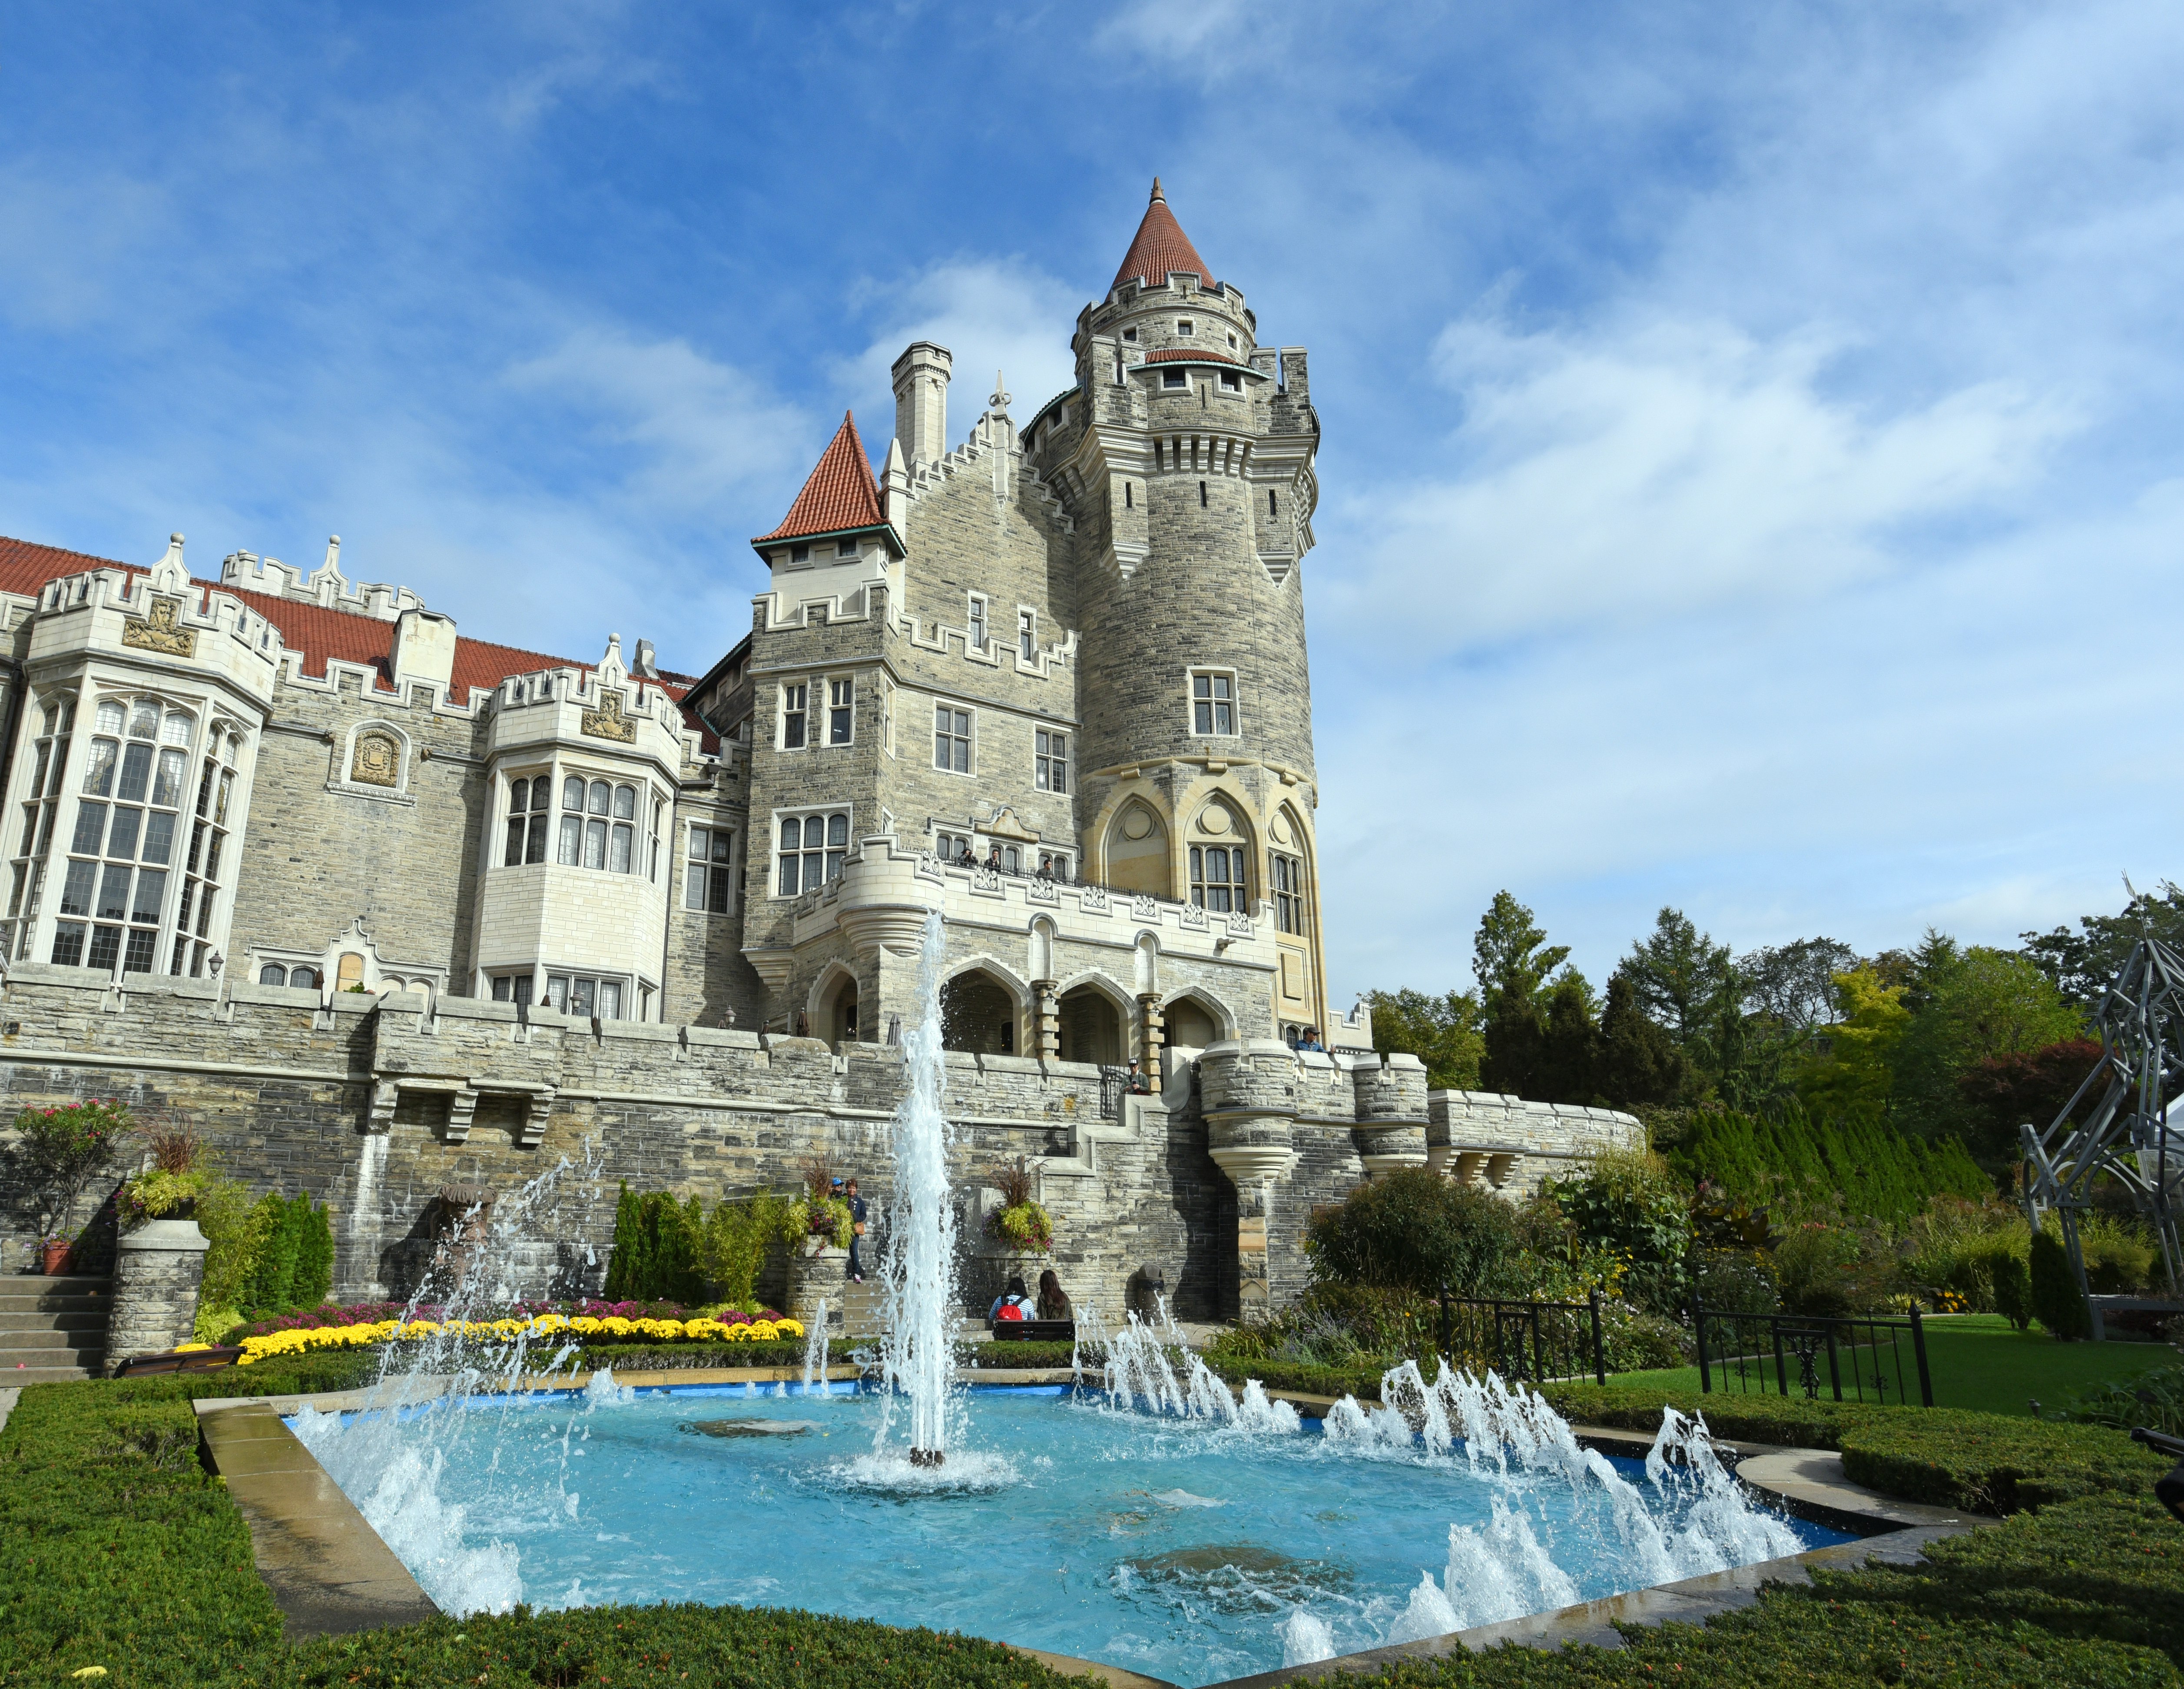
(160, 629)
(376, 760)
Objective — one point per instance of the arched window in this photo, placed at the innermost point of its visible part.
(272, 974)
(530, 814)
(302, 979)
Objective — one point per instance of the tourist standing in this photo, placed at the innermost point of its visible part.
(856, 1232)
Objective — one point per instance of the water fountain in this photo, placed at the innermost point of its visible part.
(918, 1353)
(1190, 1533)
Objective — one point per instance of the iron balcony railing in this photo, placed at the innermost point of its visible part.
(1853, 1358)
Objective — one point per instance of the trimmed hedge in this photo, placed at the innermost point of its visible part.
(1945, 1457)
(117, 1550)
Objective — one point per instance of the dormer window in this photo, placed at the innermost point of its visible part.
(1184, 327)
(799, 554)
(845, 548)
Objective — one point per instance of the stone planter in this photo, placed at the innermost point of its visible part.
(156, 1277)
(815, 1269)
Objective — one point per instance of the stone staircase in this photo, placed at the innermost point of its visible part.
(52, 1330)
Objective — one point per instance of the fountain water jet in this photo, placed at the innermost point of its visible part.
(917, 1356)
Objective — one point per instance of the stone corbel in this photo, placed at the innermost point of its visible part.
(1385, 1147)
(462, 1105)
(385, 1094)
(534, 1119)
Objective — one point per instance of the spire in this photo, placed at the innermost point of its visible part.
(839, 497)
(1161, 246)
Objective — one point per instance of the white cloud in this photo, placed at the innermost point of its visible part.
(992, 312)
(1596, 476)
(696, 430)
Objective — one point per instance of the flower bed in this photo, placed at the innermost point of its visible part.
(583, 1328)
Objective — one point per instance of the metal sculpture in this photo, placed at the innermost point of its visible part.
(2124, 1131)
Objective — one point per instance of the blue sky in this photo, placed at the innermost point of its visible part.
(1751, 469)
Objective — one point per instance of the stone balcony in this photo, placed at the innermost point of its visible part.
(882, 897)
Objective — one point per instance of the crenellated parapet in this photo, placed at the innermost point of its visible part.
(1510, 1145)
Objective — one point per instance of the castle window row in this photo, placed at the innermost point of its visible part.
(598, 825)
(586, 995)
(953, 737)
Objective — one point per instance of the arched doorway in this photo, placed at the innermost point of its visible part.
(1189, 1022)
(977, 1014)
(836, 1016)
(1090, 1026)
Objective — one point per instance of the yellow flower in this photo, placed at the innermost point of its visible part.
(761, 1330)
(180, 1349)
(736, 1334)
(788, 1328)
(587, 1323)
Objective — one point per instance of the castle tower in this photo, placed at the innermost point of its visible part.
(1186, 453)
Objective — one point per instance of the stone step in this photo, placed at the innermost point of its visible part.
(18, 1340)
(73, 1284)
(36, 1320)
(11, 1375)
(15, 1308)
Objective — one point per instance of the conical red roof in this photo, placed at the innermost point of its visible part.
(1161, 246)
(840, 495)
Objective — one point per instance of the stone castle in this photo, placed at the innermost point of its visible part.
(380, 908)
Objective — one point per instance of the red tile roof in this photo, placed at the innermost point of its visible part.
(1161, 246)
(840, 495)
(1183, 357)
(314, 631)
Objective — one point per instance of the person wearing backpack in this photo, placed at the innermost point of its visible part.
(1013, 1303)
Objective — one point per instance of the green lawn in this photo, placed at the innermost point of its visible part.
(1978, 1361)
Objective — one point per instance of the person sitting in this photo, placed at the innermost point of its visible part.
(1053, 1302)
(1012, 1304)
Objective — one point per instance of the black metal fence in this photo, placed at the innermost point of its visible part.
(1852, 1360)
(1528, 1342)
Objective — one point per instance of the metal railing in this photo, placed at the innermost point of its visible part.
(1853, 1358)
(1528, 1342)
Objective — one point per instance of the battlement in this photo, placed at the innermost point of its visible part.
(326, 586)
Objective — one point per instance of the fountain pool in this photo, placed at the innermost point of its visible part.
(1186, 1549)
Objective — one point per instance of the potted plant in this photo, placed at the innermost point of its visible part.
(168, 1184)
(53, 1254)
(1019, 1224)
(61, 1148)
(821, 1215)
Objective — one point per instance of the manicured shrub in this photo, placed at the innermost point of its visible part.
(1831, 1269)
(1629, 1204)
(1799, 1162)
(1414, 1230)
(290, 1259)
(2012, 1279)
(1945, 1457)
(2056, 1302)
(656, 1249)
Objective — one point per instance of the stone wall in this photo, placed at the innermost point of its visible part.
(375, 1105)
(1513, 1144)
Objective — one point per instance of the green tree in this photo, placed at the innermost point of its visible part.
(1445, 1033)
(1851, 1075)
(1542, 1049)
(1683, 978)
(1636, 1063)
(1511, 956)
(1968, 1006)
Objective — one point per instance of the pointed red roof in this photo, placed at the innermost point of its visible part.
(840, 496)
(1160, 247)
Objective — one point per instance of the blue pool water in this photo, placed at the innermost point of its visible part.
(1189, 1551)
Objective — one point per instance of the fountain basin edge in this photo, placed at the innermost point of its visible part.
(330, 1574)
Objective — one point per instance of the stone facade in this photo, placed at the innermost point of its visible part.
(379, 906)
